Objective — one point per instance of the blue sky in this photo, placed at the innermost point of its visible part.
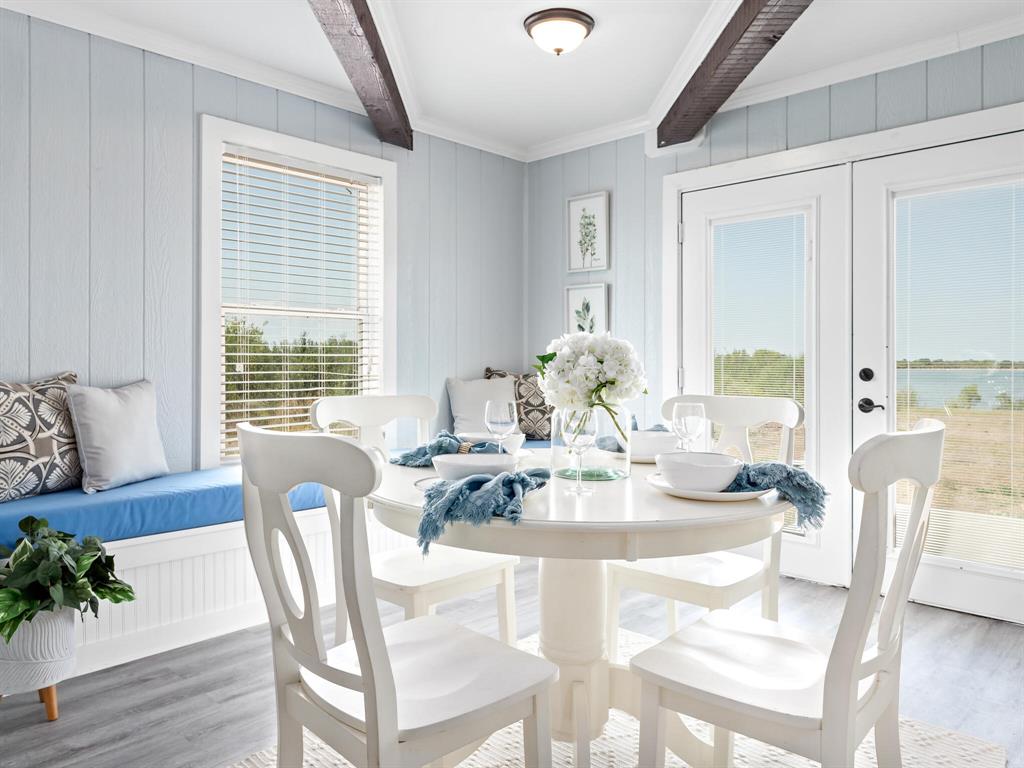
(959, 277)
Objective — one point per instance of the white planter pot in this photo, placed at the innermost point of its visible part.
(41, 653)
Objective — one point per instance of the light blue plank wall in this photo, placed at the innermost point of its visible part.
(14, 196)
(911, 94)
(101, 138)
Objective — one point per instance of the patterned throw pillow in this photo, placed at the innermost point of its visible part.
(38, 452)
(534, 412)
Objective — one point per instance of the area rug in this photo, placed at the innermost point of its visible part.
(924, 745)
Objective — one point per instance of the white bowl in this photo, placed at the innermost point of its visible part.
(455, 466)
(650, 444)
(512, 443)
(694, 471)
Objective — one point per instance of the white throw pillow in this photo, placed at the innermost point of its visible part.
(118, 437)
(468, 399)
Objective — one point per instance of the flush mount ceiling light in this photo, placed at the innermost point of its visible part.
(558, 30)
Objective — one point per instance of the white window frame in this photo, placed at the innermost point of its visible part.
(216, 134)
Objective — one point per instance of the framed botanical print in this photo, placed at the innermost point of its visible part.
(588, 232)
(586, 308)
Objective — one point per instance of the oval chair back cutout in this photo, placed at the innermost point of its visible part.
(272, 464)
(369, 414)
(736, 415)
(876, 466)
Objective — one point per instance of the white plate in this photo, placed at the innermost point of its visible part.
(635, 459)
(662, 485)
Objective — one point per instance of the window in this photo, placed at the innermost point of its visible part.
(959, 321)
(758, 328)
(295, 307)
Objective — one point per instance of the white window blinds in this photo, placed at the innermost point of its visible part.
(301, 290)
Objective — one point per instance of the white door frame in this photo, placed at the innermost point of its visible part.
(975, 125)
(988, 590)
(822, 196)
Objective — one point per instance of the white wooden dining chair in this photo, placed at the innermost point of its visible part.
(717, 579)
(404, 576)
(402, 696)
(817, 696)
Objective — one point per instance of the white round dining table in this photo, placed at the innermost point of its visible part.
(574, 536)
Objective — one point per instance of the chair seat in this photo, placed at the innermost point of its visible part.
(407, 569)
(443, 672)
(715, 569)
(757, 667)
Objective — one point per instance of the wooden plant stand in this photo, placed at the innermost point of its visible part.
(48, 696)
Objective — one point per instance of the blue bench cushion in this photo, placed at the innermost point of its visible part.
(536, 444)
(170, 503)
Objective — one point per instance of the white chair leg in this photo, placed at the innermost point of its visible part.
(721, 755)
(670, 613)
(418, 607)
(507, 607)
(581, 719)
(652, 728)
(887, 736)
(537, 734)
(289, 740)
(770, 593)
(612, 619)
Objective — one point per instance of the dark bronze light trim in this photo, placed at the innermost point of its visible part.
(567, 14)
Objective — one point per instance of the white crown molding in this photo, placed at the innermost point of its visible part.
(70, 14)
(869, 65)
(443, 130)
(586, 139)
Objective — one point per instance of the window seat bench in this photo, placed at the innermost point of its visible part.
(177, 502)
(180, 542)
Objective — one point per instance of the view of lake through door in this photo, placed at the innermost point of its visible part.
(919, 258)
(757, 261)
(938, 245)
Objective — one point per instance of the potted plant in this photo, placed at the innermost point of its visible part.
(47, 578)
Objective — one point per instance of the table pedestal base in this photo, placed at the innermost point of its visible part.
(573, 599)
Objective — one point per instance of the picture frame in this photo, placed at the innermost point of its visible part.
(589, 228)
(586, 308)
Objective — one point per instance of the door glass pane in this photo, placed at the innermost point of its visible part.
(959, 350)
(758, 316)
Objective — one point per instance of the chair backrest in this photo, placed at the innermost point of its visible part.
(876, 466)
(272, 464)
(736, 415)
(371, 413)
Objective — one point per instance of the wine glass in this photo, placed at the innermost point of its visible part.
(500, 420)
(687, 423)
(579, 431)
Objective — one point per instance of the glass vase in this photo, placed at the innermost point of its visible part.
(608, 459)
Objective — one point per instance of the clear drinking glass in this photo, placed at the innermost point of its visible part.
(500, 420)
(579, 431)
(688, 423)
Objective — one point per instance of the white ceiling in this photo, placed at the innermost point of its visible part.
(467, 70)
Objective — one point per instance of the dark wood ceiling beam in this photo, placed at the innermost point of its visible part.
(748, 36)
(353, 35)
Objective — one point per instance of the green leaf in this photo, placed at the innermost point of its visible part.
(23, 550)
(83, 563)
(30, 525)
(57, 595)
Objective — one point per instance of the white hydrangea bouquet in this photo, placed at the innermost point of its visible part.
(582, 371)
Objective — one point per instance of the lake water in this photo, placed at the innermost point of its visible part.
(936, 387)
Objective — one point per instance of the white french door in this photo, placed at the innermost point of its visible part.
(938, 308)
(764, 280)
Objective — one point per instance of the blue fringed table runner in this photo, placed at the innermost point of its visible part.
(794, 485)
(476, 499)
(445, 442)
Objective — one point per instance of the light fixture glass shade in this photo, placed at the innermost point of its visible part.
(559, 30)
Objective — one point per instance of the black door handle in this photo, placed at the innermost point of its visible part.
(867, 405)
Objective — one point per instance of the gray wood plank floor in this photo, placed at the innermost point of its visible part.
(211, 703)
